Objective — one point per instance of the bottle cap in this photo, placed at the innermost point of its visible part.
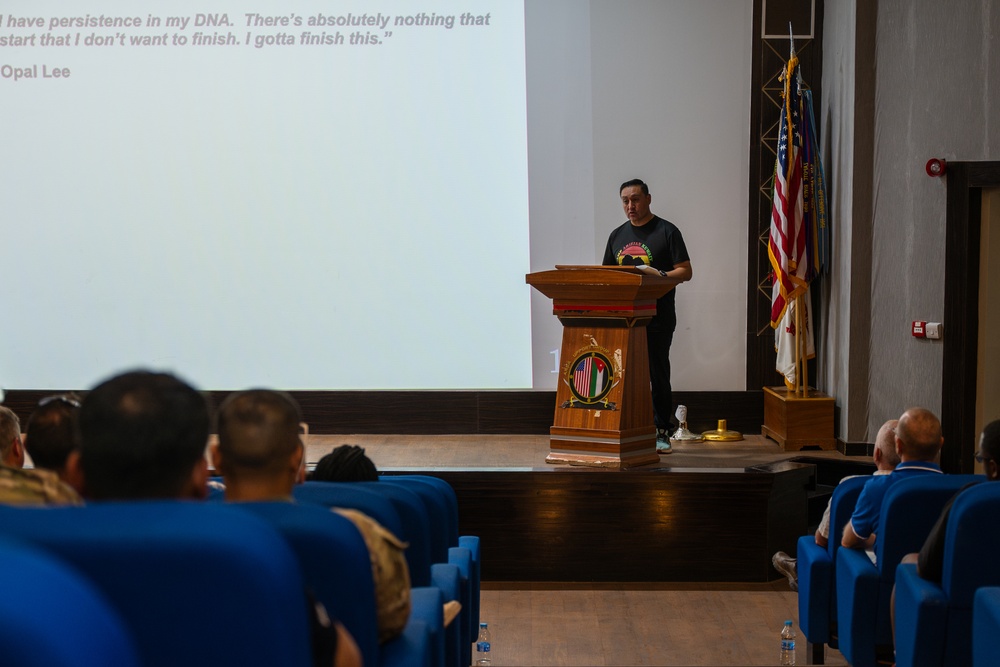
(483, 625)
(788, 622)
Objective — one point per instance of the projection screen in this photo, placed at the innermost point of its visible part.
(306, 194)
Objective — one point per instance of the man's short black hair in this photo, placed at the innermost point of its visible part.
(634, 182)
(258, 429)
(51, 431)
(141, 434)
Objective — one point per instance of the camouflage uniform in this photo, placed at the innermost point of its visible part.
(34, 487)
(389, 571)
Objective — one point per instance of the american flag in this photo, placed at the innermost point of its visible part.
(589, 377)
(787, 247)
(793, 242)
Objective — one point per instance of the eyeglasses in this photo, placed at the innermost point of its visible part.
(62, 398)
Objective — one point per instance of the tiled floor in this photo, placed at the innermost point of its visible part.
(641, 625)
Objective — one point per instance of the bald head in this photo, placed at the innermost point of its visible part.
(918, 435)
(886, 457)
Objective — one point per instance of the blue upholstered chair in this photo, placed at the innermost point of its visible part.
(367, 498)
(986, 627)
(52, 616)
(341, 494)
(417, 530)
(463, 551)
(934, 621)
(444, 514)
(816, 568)
(197, 584)
(338, 571)
(470, 542)
(447, 577)
(909, 510)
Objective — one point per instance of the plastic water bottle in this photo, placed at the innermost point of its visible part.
(787, 645)
(483, 647)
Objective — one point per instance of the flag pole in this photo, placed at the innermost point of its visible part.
(805, 345)
(799, 342)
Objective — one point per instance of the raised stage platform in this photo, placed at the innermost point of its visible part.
(709, 512)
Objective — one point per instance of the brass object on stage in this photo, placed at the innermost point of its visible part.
(722, 434)
(682, 434)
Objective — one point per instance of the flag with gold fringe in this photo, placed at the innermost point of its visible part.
(797, 244)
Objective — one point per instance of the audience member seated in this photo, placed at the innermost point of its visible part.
(918, 443)
(930, 560)
(50, 434)
(260, 456)
(26, 487)
(885, 458)
(346, 463)
(11, 446)
(142, 436)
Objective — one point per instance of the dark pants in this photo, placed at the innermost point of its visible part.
(658, 344)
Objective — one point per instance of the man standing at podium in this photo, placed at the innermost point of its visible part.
(656, 246)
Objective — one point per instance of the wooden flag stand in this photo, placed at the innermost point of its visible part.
(799, 417)
(798, 421)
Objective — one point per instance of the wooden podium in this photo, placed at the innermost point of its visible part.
(604, 408)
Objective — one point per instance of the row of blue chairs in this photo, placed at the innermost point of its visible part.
(935, 622)
(195, 584)
(844, 598)
(216, 584)
(422, 511)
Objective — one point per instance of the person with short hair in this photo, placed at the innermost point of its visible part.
(930, 560)
(11, 446)
(260, 457)
(918, 442)
(259, 452)
(143, 435)
(655, 246)
(885, 458)
(50, 434)
(26, 487)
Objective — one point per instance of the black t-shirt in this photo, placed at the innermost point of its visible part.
(659, 244)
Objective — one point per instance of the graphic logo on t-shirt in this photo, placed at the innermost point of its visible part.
(634, 254)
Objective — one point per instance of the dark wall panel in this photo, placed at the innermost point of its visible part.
(458, 412)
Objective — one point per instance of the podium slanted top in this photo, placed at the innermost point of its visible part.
(600, 284)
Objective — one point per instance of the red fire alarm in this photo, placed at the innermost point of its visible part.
(919, 329)
(936, 167)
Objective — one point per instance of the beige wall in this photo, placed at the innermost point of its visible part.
(935, 95)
